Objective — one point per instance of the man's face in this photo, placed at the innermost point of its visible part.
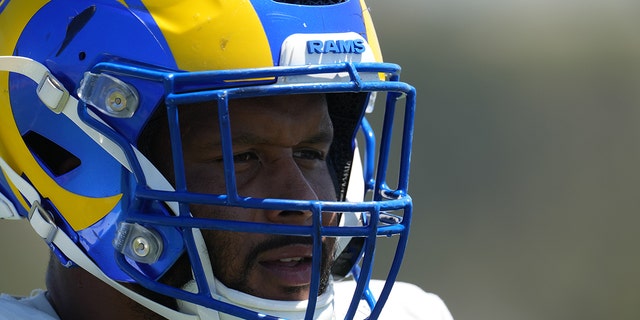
(280, 145)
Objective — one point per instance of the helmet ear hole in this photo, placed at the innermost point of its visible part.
(58, 160)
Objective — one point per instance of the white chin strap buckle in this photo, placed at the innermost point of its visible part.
(42, 222)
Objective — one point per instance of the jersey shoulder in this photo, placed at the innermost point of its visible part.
(34, 307)
(406, 301)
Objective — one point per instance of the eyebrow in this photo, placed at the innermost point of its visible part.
(324, 135)
(246, 138)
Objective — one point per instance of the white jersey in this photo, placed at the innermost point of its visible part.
(407, 302)
(35, 307)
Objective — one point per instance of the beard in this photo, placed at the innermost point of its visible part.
(234, 269)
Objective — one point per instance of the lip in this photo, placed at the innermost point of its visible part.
(289, 266)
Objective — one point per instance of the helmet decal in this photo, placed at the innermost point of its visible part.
(80, 211)
(222, 34)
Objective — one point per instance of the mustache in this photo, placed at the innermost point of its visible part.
(276, 242)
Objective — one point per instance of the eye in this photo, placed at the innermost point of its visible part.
(238, 158)
(309, 154)
(244, 157)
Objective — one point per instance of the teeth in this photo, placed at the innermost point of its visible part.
(296, 259)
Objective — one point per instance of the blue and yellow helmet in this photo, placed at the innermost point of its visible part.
(80, 81)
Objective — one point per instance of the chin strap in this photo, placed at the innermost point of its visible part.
(283, 309)
(42, 222)
(57, 98)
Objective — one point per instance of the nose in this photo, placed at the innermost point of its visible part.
(287, 181)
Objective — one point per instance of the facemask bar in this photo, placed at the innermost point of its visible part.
(385, 199)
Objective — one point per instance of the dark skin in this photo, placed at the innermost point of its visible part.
(76, 294)
(280, 148)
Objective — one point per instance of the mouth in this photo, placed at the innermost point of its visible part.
(288, 266)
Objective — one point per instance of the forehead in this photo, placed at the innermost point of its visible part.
(280, 117)
(285, 107)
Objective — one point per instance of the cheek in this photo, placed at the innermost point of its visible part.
(203, 181)
(325, 190)
(330, 219)
(204, 178)
(327, 193)
(226, 250)
(323, 185)
(223, 213)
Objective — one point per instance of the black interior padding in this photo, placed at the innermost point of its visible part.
(345, 110)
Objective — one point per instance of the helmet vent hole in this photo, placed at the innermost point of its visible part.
(311, 2)
(82, 55)
(58, 160)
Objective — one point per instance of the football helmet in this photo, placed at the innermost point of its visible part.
(80, 81)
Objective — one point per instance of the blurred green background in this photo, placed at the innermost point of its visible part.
(524, 172)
